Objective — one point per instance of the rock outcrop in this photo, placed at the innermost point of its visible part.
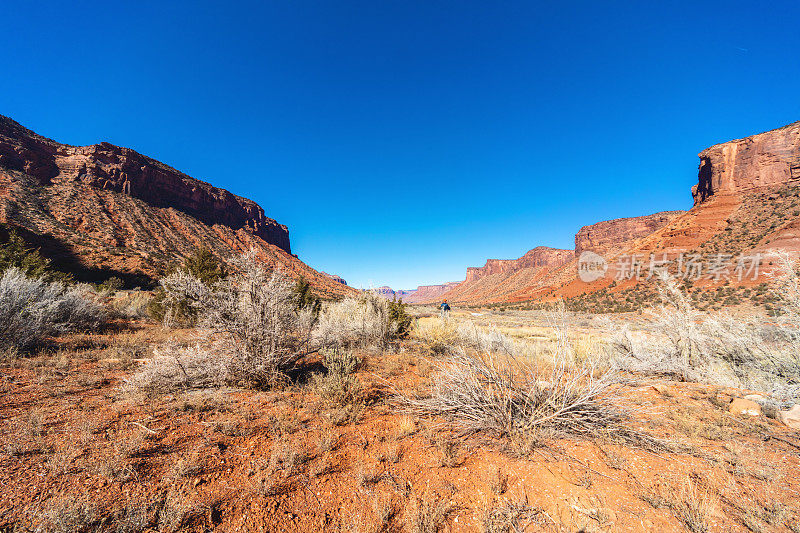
(108, 167)
(103, 210)
(429, 293)
(337, 279)
(603, 236)
(541, 256)
(767, 159)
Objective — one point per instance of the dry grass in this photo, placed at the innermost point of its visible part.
(508, 397)
(510, 517)
(69, 514)
(428, 514)
(338, 386)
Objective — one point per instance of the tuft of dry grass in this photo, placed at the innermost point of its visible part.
(507, 396)
(692, 508)
(68, 514)
(510, 517)
(428, 514)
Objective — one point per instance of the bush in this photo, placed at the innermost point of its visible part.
(110, 286)
(399, 317)
(255, 325)
(205, 266)
(172, 368)
(173, 309)
(510, 398)
(338, 386)
(688, 344)
(31, 310)
(359, 321)
(492, 383)
(133, 304)
(258, 327)
(15, 253)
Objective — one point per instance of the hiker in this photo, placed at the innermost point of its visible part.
(445, 307)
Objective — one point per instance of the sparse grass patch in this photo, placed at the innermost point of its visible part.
(428, 514)
(509, 517)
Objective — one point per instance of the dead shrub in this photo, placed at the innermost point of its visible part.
(175, 368)
(506, 396)
(338, 386)
(32, 310)
(360, 321)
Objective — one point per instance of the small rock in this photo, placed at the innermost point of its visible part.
(660, 388)
(741, 406)
(791, 417)
(755, 397)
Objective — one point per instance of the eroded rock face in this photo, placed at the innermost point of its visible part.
(101, 210)
(763, 160)
(426, 293)
(109, 167)
(603, 236)
(336, 278)
(540, 256)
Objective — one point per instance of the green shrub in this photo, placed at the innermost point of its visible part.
(15, 253)
(110, 286)
(398, 315)
(304, 297)
(202, 265)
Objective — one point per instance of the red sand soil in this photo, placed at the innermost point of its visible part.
(284, 460)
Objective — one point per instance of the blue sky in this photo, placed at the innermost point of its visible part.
(404, 141)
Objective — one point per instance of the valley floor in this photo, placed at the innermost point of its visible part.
(81, 455)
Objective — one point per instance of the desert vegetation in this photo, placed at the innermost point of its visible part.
(237, 392)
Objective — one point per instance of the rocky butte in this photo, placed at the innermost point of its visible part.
(109, 167)
(763, 160)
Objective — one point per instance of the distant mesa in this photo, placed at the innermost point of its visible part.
(337, 279)
(422, 294)
(603, 236)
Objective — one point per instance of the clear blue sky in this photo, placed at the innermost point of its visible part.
(404, 141)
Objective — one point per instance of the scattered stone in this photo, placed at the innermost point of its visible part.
(661, 388)
(755, 397)
(791, 417)
(741, 406)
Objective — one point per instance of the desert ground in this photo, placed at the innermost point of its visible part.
(130, 428)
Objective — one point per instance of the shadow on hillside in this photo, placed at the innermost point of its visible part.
(64, 259)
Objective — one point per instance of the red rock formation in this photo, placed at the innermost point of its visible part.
(602, 236)
(429, 293)
(540, 256)
(102, 210)
(337, 279)
(108, 167)
(767, 159)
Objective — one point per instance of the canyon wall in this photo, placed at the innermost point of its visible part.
(603, 236)
(541, 256)
(108, 167)
(763, 160)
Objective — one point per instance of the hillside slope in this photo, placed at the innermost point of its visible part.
(103, 210)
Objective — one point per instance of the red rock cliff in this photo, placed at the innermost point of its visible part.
(109, 167)
(602, 236)
(537, 257)
(763, 160)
